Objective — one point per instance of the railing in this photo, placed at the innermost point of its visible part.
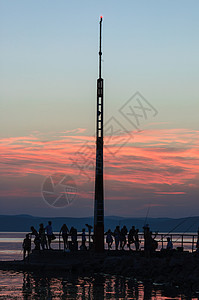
(182, 241)
(185, 241)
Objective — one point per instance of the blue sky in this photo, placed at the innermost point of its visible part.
(49, 66)
(49, 57)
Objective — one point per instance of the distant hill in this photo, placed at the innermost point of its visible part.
(22, 223)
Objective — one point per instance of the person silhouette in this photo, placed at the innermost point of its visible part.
(117, 234)
(109, 239)
(36, 239)
(83, 245)
(147, 240)
(73, 233)
(124, 232)
(42, 236)
(49, 232)
(131, 237)
(137, 242)
(26, 247)
(64, 232)
(89, 234)
(169, 244)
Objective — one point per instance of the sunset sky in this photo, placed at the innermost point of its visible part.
(48, 72)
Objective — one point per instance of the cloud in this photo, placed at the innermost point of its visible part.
(170, 193)
(154, 164)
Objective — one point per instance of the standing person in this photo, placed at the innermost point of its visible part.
(49, 232)
(83, 245)
(137, 242)
(42, 236)
(131, 237)
(147, 241)
(26, 247)
(109, 239)
(117, 236)
(124, 232)
(89, 234)
(73, 233)
(36, 239)
(64, 232)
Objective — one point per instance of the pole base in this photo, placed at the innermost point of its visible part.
(99, 238)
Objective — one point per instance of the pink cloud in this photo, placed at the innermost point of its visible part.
(151, 160)
(170, 193)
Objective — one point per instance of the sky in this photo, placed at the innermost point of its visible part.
(48, 72)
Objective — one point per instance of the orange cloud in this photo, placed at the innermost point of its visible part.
(161, 162)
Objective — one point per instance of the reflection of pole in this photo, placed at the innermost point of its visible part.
(99, 189)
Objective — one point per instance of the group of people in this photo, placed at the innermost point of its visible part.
(65, 232)
(122, 236)
(44, 236)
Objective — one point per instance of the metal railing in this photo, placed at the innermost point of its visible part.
(182, 241)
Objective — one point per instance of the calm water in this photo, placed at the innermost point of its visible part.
(23, 285)
(19, 285)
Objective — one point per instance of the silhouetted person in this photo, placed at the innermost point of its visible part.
(89, 234)
(137, 242)
(36, 239)
(169, 244)
(154, 243)
(42, 236)
(109, 239)
(131, 237)
(117, 236)
(49, 232)
(83, 245)
(73, 234)
(147, 241)
(64, 232)
(26, 247)
(123, 234)
(150, 244)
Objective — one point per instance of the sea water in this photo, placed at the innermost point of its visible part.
(24, 285)
(31, 285)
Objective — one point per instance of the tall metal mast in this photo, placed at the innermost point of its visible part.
(99, 188)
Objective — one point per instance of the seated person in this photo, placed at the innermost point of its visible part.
(169, 244)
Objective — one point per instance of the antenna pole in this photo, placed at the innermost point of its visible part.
(99, 187)
(100, 50)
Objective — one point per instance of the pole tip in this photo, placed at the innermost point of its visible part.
(101, 17)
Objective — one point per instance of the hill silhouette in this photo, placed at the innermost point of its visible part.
(22, 223)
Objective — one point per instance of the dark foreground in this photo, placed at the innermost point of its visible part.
(176, 269)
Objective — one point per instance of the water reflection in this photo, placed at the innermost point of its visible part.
(26, 286)
(71, 287)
